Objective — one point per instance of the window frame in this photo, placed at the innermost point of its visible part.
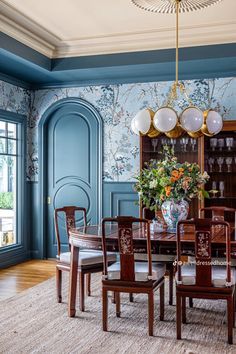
(18, 252)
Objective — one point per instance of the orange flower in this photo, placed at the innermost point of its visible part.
(168, 190)
(174, 176)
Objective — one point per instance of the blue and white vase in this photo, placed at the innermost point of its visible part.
(173, 212)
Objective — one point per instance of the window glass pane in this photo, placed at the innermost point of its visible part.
(7, 200)
(2, 128)
(2, 145)
(11, 146)
(11, 127)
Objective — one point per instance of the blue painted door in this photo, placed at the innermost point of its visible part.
(73, 166)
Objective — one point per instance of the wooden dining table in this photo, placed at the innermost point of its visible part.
(163, 243)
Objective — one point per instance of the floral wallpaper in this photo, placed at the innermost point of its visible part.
(117, 105)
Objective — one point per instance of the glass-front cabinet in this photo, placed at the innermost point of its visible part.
(216, 155)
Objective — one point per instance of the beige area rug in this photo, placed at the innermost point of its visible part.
(33, 322)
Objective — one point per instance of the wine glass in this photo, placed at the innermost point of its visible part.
(173, 142)
(221, 143)
(193, 142)
(154, 144)
(214, 190)
(211, 163)
(220, 161)
(213, 143)
(184, 143)
(229, 161)
(229, 143)
(221, 188)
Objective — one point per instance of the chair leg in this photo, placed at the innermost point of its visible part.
(178, 316)
(190, 302)
(131, 297)
(58, 284)
(171, 283)
(184, 309)
(88, 279)
(113, 298)
(117, 295)
(81, 291)
(230, 309)
(162, 302)
(104, 309)
(150, 313)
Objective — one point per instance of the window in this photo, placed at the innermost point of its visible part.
(11, 191)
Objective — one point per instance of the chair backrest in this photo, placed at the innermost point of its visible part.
(204, 230)
(70, 221)
(219, 213)
(126, 245)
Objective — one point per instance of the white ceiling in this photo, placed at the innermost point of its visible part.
(62, 28)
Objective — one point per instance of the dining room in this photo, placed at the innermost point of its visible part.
(117, 176)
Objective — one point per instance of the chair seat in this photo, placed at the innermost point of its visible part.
(188, 274)
(155, 257)
(141, 271)
(88, 257)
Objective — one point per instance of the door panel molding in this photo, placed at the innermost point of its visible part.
(42, 187)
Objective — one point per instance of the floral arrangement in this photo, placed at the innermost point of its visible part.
(169, 179)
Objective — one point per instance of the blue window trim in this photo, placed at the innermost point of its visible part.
(19, 252)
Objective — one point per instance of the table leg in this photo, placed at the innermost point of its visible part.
(73, 280)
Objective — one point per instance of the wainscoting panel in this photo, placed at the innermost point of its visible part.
(119, 198)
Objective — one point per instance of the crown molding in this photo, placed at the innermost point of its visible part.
(23, 29)
(190, 36)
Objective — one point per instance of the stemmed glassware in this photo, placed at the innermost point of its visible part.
(221, 188)
(229, 143)
(154, 144)
(173, 142)
(221, 143)
(213, 143)
(214, 190)
(229, 161)
(193, 142)
(211, 163)
(184, 143)
(220, 161)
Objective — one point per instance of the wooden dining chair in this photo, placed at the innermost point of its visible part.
(202, 279)
(128, 276)
(166, 258)
(220, 213)
(90, 261)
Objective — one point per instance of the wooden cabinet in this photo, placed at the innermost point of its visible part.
(220, 163)
(206, 152)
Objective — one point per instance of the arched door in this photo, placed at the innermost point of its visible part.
(73, 165)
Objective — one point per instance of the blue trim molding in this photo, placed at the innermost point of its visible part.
(119, 198)
(33, 70)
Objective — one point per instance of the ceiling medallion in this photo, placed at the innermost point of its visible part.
(168, 6)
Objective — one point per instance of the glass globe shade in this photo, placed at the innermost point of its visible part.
(165, 119)
(133, 127)
(214, 122)
(142, 121)
(191, 119)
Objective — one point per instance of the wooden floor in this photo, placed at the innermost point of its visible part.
(23, 276)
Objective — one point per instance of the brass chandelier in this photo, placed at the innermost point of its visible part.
(166, 120)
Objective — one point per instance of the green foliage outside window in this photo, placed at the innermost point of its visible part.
(6, 200)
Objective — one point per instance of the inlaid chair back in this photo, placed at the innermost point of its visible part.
(204, 233)
(220, 213)
(126, 246)
(70, 221)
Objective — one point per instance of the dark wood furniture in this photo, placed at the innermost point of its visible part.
(161, 243)
(167, 259)
(200, 152)
(128, 275)
(204, 280)
(89, 262)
